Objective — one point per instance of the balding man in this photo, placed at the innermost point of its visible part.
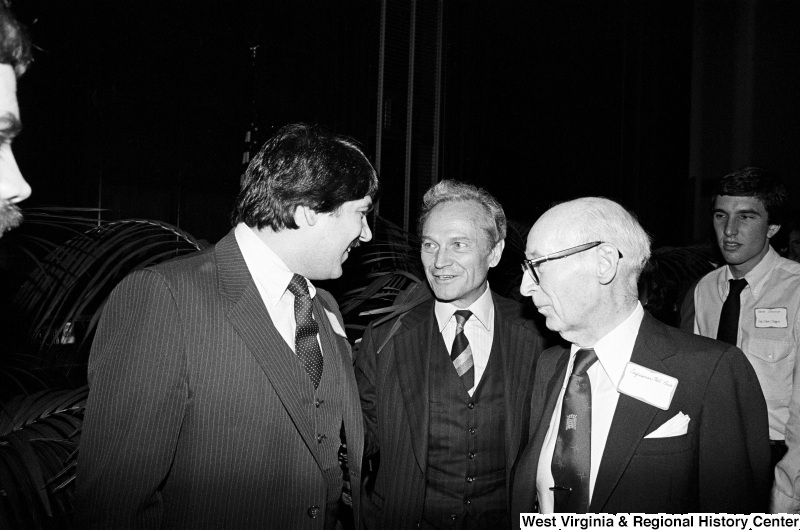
(633, 416)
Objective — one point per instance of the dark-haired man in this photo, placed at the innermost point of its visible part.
(221, 383)
(753, 302)
(446, 388)
(14, 60)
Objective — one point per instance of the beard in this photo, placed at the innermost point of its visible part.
(10, 217)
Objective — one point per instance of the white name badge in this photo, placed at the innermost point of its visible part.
(644, 384)
(337, 328)
(774, 317)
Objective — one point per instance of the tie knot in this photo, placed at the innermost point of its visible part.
(584, 359)
(298, 286)
(737, 286)
(462, 315)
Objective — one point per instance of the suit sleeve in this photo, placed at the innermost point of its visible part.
(687, 310)
(366, 373)
(138, 390)
(734, 455)
(786, 490)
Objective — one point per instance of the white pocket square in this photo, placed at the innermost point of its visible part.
(676, 426)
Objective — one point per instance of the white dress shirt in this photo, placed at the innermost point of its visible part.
(479, 330)
(272, 278)
(613, 354)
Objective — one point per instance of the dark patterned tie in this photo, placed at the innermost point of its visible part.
(572, 457)
(305, 338)
(461, 353)
(728, 330)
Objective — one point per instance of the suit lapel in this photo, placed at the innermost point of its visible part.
(339, 351)
(412, 351)
(550, 373)
(540, 419)
(631, 420)
(517, 362)
(251, 320)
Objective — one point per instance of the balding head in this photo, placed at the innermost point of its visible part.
(583, 293)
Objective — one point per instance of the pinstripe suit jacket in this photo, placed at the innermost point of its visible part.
(394, 387)
(195, 417)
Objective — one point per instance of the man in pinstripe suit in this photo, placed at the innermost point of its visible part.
(446, 388)
(221, 383)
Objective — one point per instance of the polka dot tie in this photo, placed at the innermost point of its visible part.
(461, 353)
(572, 457)
(306, 346)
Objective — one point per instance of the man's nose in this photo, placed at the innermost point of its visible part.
(366, 233)
(528, 286)
(13, 187)
(731, 227)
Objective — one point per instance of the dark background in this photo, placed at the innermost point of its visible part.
(141, 108)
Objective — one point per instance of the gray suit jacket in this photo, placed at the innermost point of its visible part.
(394, 386)
(195, 418)
(720, 465)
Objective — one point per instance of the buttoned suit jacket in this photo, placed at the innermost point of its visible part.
(196, 418)
(720, 465)
(395, 395)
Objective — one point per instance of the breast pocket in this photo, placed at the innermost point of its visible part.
(773, 361)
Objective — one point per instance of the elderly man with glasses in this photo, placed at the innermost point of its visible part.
(632, 415)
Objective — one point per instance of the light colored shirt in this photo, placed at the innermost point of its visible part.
(272, 277)
(479, 330)
(769, 334)
(613, 354)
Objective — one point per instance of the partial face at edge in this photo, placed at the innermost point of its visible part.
(457, 253)
(13, 187)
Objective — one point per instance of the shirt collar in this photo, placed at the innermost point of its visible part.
(614, 350)
(482, 309)
(267, 269)
(756, 278)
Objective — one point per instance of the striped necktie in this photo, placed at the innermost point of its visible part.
(461, 353)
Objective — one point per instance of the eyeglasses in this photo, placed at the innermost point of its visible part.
(530, 265)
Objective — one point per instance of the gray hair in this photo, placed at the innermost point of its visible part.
(602, 219)
(456, 191)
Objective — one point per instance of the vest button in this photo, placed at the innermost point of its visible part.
(467, 502)
(472, 430)
(471, 455)
(470, 479)
(314, 512)
(318, 402)
(471, 405)
(320, 437)
(453, 516)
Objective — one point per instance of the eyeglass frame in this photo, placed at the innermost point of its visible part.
(529, 265)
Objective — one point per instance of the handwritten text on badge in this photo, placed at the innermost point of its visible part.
(774, 317)
(648, 385)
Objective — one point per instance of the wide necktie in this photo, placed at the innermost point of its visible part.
(461, 353)
(728, 330)
(306, 346)
(572, 457)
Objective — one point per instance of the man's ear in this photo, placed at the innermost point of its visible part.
(496, 253)
(305, 216)
(772, 230)
(607, 263)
